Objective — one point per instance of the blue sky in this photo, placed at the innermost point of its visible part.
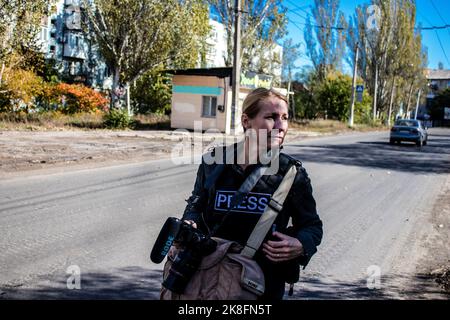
(426, 14)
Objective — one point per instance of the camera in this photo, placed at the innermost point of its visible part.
(195, 246)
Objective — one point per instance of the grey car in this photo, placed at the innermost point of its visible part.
(409, 130)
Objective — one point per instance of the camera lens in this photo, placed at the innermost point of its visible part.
(182, 270)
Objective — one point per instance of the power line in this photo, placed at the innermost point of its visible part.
(434, 27)
(316, 26)
(295, 24)
(439, 14)
(440, 43)
(296, 13)
(435, 30)
(303, 17)
(297, 7)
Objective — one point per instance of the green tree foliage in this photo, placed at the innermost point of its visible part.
(333, 96)
(116, 119)
(135, 36)
(329, 98)
(152, 93)
(325, 37)
(440, 101)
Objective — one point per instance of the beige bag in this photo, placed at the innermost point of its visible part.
(223, 275)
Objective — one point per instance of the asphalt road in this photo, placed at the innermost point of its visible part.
(375, 201)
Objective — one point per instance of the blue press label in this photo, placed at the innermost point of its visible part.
(254, 202)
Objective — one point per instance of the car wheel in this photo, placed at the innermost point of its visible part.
(391, 141)
(419, 143)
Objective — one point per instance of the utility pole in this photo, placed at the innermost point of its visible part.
(409, 100)
(128, 100)
(375, 92)
(391, 102)
(289, 95)
(355, 67)
(417, 104)
(236, 64)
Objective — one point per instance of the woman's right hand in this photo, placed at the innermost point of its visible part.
(191, 222)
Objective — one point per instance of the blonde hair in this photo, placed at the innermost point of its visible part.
(251, 105)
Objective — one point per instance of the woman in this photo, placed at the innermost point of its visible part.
(265, 112)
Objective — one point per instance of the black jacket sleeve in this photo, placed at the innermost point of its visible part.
(307, 226)
(197, 202)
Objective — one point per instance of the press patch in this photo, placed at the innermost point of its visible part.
(254, 202)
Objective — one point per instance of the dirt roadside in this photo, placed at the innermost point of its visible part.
(26, 152)
(435, 265)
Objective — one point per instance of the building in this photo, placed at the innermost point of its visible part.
(217, 52)
(202, 98)
(217, 45)
(75, 56)
(77, 59)
(438, 80)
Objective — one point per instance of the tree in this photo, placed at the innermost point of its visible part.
(440, 102)
(21, 90)
(135, 36)
(380, 63)
(333, 99)
(325, 40)
(290, 55)
(152, 93)
(20, 23)
(440, 65)
(264, 22)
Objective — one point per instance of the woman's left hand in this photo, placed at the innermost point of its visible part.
(287, 248)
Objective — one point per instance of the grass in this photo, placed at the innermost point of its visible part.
(332, 126)
(151, 122)
(47, 121)
(93, 121)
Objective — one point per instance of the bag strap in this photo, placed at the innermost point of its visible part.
(270, 214)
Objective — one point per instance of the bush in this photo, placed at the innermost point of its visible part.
(152, 94)
(116, 119)
(333, 96)
(20, 90)
(440, 101)
(77, 98)
(24, 90)
(151, 121)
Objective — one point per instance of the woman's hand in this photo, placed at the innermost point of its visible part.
(190, 222)
(287, 248)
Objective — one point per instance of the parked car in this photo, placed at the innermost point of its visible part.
(409, 130)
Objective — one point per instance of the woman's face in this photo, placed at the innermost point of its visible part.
(272, 117)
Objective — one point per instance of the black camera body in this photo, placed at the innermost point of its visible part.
(195, 246)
